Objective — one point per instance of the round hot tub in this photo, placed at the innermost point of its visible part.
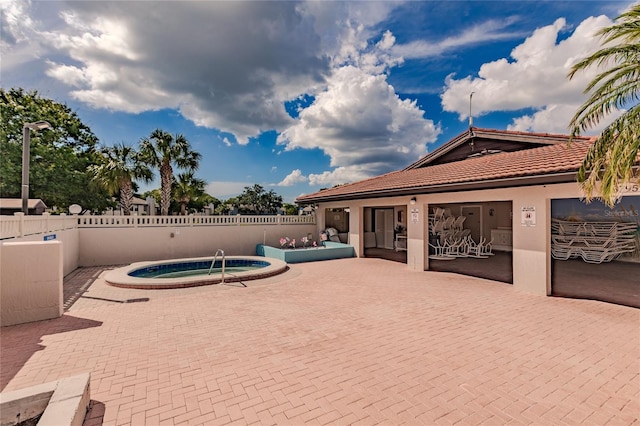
(181, 273)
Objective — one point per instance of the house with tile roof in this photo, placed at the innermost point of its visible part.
(501, 187)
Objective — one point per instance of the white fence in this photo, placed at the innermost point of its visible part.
(173, 221)
(22, 226)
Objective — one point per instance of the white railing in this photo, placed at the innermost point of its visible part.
(177, 221)
(21, 225)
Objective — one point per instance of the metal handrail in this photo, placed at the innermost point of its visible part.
(213, 262)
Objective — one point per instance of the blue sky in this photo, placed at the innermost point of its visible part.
(298, 96)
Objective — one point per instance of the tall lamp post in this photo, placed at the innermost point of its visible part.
(26, 144)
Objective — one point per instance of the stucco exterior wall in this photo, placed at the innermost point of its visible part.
(531, 243)
(70, 240)
(115, 246)
(30, 281)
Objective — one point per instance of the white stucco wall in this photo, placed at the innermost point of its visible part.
(114, 246)
(70, 241)
(30, 281)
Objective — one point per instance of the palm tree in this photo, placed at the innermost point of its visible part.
(121, 167)
(609, 164)
(186, 188)
(162, 150)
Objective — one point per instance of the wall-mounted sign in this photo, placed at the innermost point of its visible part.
(49, 237)
(415, 217)
(528, 216)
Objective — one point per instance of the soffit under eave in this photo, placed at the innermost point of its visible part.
(566, 177)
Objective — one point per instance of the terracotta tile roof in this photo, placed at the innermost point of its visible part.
(548, 160)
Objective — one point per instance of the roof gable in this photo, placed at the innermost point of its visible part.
(477, 142)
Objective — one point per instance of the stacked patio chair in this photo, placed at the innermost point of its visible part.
(442, 220)
(436, 217)
(594, 242)
(483, 249)
(458, 223)
(439, 251)
(448, 223)
(453, 244)
(450, 239)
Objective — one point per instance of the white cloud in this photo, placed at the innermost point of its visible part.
(345, 28)
(122, 56)
(491, 30)
(18, 45)
(293, 178)
(535, 78)
(93, 37)
(360, 121)
(554, 119)
(223, 190)
(339, 176)
(16, 20)
(68, 74)
(551, 118)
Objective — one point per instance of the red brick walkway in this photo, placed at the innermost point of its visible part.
(351, 341)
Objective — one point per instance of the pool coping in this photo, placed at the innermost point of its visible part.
(120, 277)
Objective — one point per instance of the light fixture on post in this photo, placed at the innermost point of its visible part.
(26, 145)
(412, 201)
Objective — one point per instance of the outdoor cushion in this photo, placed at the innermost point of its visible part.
(332, 231)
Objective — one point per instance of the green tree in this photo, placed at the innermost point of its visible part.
(290, 209)
(201, 201)
(60, 156)
(609, 164)
(162, 151)
(121, 167)
(254, 199)
(227, 206)
(186, 188)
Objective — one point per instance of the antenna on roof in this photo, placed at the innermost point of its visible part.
(470, 116)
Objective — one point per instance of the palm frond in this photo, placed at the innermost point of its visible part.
(610, 90)
(612, 161)
(619, 54)
(627, 26)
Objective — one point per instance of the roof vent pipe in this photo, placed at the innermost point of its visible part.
(470, 116)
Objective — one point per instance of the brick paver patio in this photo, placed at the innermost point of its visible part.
(351, 341)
